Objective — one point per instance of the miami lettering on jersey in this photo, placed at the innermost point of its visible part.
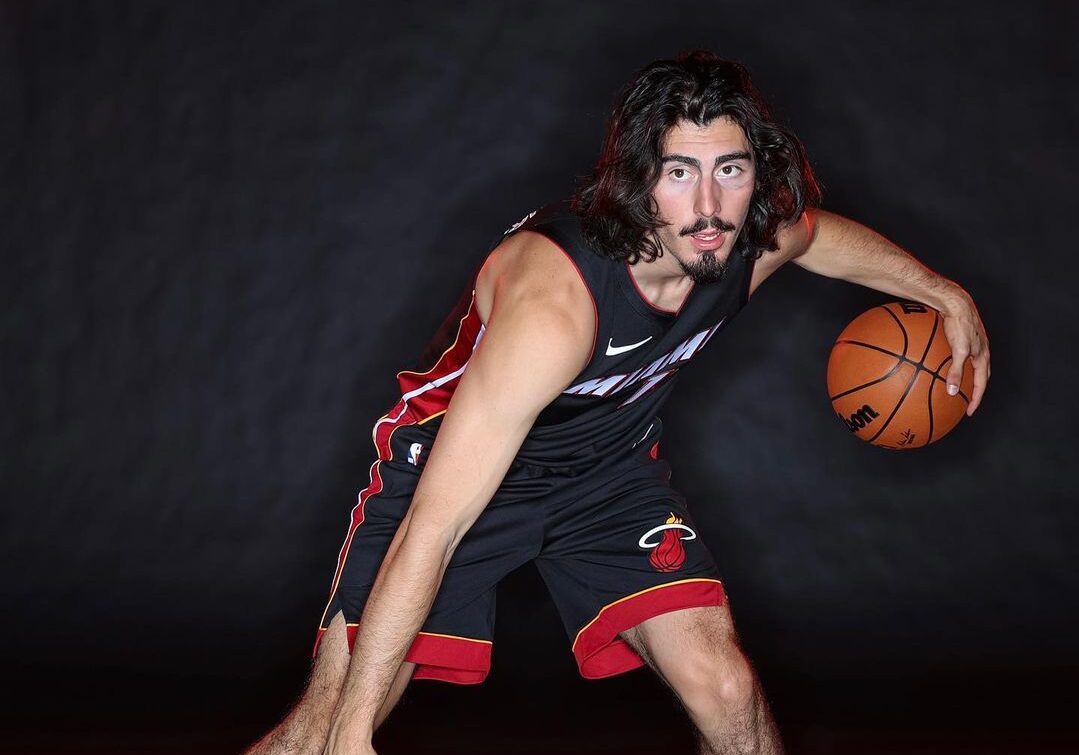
(651, 375)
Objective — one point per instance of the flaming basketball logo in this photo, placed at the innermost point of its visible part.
(668, 554)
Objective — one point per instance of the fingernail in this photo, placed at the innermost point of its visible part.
(953, 389)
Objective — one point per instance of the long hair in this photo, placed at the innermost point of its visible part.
(615, 204)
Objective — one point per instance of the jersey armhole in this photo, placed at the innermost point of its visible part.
(557, 243)
(587, 288)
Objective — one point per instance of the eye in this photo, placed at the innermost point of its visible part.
(679, 174)
(729, 171)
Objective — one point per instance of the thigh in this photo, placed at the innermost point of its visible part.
(619, 555)
(696, 653)
(690, 637)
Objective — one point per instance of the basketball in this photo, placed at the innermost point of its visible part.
(887, 377)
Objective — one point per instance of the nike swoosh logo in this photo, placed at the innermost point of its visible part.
(612, 350)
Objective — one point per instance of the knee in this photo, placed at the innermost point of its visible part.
(715, 684)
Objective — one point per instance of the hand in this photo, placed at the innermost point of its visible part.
(966, 335)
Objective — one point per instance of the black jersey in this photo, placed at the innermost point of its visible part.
(611, 406)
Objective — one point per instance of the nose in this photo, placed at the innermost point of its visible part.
(708, 198)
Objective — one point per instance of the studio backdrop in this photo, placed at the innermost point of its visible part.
(225, 227)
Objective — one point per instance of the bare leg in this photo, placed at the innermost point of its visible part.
(695, 652)
(306, 726)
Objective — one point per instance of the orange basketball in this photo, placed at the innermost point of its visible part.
(887, 377)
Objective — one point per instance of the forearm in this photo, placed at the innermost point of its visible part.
(465, 466)
(396, 608)
(840, 248)
(844, 249)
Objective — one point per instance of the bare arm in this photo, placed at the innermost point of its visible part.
(831, 245)
(539, 336)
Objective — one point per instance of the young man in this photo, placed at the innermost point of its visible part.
(543, 393)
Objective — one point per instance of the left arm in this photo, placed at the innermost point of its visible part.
(836, 247)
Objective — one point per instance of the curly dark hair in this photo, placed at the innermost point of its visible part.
(615, 204)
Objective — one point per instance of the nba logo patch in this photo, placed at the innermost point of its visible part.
(665, 541)
(414, 452)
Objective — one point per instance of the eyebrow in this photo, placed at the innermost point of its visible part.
(741, 155)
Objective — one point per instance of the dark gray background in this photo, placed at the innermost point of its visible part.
(225, 226)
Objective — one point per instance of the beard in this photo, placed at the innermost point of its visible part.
(705, 268)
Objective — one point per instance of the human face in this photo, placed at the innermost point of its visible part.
(705, 186)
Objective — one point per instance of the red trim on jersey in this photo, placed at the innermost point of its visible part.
(599, 650)
(591, 296)
(356, 518)
(428, 393)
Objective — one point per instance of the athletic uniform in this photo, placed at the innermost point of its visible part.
(587, 496)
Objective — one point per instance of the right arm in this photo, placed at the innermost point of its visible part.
(538, 338)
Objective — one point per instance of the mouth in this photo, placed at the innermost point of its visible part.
(708, 240)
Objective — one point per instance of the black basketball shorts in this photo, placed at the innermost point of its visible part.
(614, 544)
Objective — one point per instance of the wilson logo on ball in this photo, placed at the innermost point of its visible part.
(668, 554)
(860, 418)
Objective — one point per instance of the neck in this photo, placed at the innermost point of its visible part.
(663, 287)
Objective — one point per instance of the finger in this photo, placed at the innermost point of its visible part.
(981, 379)
(955, 373)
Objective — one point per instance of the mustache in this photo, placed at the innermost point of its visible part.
(702, 225)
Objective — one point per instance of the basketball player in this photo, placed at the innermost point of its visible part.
(530, 433)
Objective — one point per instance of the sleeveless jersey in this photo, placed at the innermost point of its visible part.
(610, 406)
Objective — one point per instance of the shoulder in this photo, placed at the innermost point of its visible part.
(540, 323)
(792, 241)
(530, 267)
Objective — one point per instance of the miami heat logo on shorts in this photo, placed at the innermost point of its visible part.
(665, 541)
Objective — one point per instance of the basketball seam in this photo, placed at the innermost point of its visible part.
(898, 404)
(906, 341)
(871, 382)
(878, 348)
(918, 368)
(936, 372)
(932, 335)
(937, 376)
(917, 365)
(921, 365)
